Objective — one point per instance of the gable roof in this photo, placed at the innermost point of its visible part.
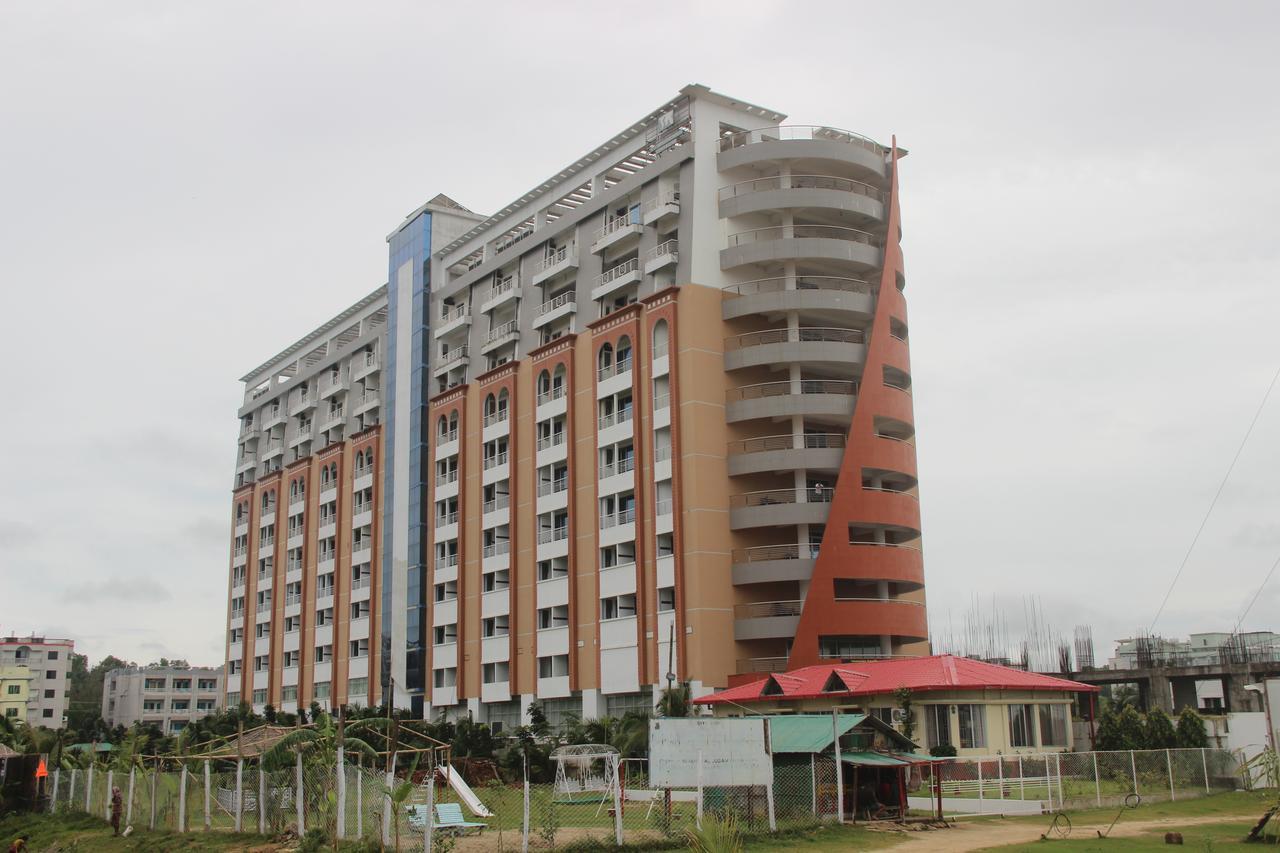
(881, 677)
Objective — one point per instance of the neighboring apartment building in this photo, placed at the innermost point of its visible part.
(168, 697)
(48, 662)
(672, 404)
(650, 421)
(15, 692)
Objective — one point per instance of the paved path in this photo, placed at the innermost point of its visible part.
(965, 837)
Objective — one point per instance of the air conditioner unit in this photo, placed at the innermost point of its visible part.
(899, 715)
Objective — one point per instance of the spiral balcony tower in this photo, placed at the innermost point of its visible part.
(824, 509)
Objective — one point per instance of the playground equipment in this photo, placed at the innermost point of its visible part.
(586, 773)
(463, 790)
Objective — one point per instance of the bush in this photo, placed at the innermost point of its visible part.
(1157, 731)
(943, 751)
(1191, 732)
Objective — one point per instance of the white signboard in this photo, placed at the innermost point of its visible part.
(730, 751)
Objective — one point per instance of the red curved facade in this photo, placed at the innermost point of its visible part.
(829, 625)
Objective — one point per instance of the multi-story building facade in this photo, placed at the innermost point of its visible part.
(672, 431)
(651, 421)
(15, 692)
(47, 662)
(168, 697)
(301, 620)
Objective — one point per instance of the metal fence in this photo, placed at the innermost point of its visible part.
(1020, 784)
(356, 803)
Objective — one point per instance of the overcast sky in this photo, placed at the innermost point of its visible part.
(1090, 208)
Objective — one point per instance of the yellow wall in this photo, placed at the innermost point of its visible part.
(14, 704)
(995, 714)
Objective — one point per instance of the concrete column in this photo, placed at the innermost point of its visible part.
(1159, 693)
(592, 704)
(526, 699)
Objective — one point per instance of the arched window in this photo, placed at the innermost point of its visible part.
(660, 334)
(624, 354)
(324, 476)
(558, 378)
(368, 458)
(605, 359)
(443, 426)
(293, 488)
(453, 422)
(359, 459)
(504, 400)
(490, 405)
(544, 383)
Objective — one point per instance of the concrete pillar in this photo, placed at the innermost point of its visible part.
(1159, 693)
(1184, 693)
(592, 704)
(476, 709)
(526, 699)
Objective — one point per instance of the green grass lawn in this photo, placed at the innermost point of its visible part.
(78, 831)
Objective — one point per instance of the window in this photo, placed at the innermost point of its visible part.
(443, 678)
(261, 663)
(442, 634)
(206, 705)
(360, 610)
(938, 722)
(52, 655)
(1053, 725)
(666, 598)
(553, 666)
(357, 686)
(15, 689)
(324, 616)
(360, 648)
(233, 700)
(492, 673)
(321, 690)
(180, 705)
(50, 673)
(207, 684)
(1021, 727)
(289, 694)
(290, 659)
(618, 607)
(11, 712)
(292, 623)
(153, 705)
(973, 726)
(235, 667)
(259, 697)
(48, 694)
(324, 654)
(182, 684)
(46, 713)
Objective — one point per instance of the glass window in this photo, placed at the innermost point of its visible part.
(1021, 728)
(973, 726)
(1053, 725)
(938, 719)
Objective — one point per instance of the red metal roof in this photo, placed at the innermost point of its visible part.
(879, 677)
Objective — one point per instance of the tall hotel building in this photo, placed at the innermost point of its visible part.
(650, 421)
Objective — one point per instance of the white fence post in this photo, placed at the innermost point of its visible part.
(617, 799)
(1097, 779)
(71, 794)
(1048, 779)
(431, 809)
(386, 808)
(1057, 769)
(813, 776)
(359, 800)
(1133, 763)
(835, 738)
(182, 798)
(57, 772)
(1000, 773)
(1022, 780)
(297, 797)
(110, 775)
(524, 825)
(128, 811)
(1204, 763)
(1168, 759)
(239, 795)
(88, 792)
(208, 818)
(699, 814)
(155, 777)
(768, 793)
(262, 798)
(979, 784)
(339, 768)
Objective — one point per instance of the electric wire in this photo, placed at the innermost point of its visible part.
(1213, 503)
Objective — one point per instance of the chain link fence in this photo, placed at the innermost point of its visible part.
(362, 802)
(1021, 784)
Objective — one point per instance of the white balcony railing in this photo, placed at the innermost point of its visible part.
(550, 305)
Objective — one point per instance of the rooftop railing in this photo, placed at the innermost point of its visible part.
(805, 334)
(818, 182)
(803, 232)
(789, 132)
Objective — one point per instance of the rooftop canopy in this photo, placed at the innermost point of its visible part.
(882, 677)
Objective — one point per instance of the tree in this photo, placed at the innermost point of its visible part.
(1191, 731)
(84, 692)
(538, 723)
(1157, 731)
(676, 701)
(908, 724)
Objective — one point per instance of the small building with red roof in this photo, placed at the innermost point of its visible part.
(976, 707)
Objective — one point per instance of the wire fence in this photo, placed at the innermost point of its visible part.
(429, 810)
(1035, 783)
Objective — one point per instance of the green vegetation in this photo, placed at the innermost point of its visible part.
(1122, 727)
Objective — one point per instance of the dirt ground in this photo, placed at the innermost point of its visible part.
(964, 837)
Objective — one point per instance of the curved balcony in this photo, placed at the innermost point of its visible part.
(778, 507)
(833, 348)
(779, 243)
(821, 294)
(786, 453)
(824, 192)
(772, 563)
(790, 142)
(766, 620)
(898, 617)
(814, 397)
(885, 561)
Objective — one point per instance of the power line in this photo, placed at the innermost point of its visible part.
(1254, 600)
(1214, 502)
